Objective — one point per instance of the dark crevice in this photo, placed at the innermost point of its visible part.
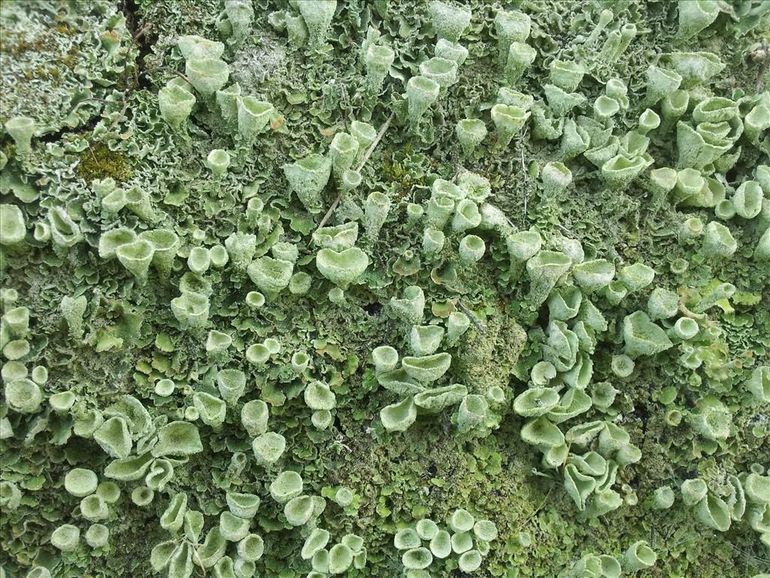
(373, 308)
(52, 137)
(144, 37)
(86, 127)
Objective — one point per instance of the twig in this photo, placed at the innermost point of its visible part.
(540, 507)
(142, 31)
(479, 325)
(365, 158)
(376, 141)
(526, 189)
(197, 555)
(183, 76)
(748, 555)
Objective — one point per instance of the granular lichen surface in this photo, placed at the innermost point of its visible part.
(382, 289)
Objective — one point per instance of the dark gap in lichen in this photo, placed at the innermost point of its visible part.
(373, 309)
(143, 36)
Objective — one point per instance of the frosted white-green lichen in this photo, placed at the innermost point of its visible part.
(452, 274)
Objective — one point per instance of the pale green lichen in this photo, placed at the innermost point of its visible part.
(208, 370)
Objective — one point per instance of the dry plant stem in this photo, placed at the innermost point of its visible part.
(479, 325)
(369, 152)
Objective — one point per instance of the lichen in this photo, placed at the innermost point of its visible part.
(287, 283)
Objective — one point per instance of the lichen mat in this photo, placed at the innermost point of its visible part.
(385, 289)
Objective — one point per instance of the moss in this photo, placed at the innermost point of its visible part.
(70, 60)
(99, 162)
(491, 351)
(65, 29)
(14, 44)
(400, 168)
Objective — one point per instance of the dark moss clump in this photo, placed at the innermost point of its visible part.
(99, 162)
